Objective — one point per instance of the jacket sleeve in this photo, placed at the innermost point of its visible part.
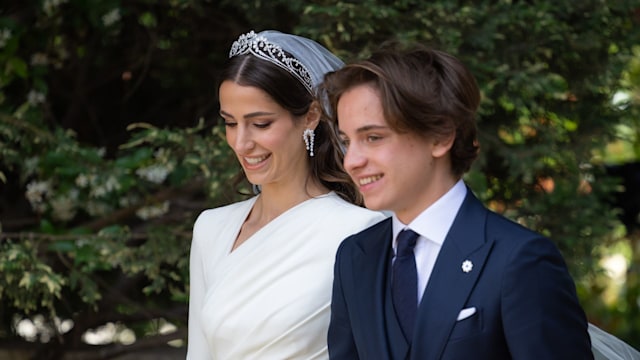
(340, 337)
(542, 317)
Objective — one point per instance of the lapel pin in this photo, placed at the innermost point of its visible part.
(467, 265)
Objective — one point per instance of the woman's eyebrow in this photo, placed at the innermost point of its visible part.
(249, 115)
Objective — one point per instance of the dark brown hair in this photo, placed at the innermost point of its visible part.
(326, 164)
(423, 91)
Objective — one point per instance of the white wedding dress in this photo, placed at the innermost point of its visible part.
(608, 347)
(270, 297)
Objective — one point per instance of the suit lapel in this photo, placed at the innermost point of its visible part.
(449, 286)
(370, 267)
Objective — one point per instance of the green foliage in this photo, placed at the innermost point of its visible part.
(110, 144)
(27, 281)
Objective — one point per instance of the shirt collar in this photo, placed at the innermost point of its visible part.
(435, 221)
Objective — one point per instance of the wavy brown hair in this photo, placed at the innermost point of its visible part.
(423, 91)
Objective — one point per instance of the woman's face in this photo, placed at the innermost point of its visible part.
(266, 138)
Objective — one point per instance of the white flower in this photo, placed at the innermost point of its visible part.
(162, 155)
(50, 5)
(36, 193)
(467, 265)
(5, 35)
(153, 211)
(129, 200)
(108, 186)
(31, 165)
(37, 190)
(35, 97)
(111, 17)
(112, 184)
(64, 207)
(82, 180)
(39, 59)
(156, 173)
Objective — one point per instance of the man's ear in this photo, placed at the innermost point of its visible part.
(442, 145)
(312, 119)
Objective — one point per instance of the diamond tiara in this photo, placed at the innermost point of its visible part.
(261, 47)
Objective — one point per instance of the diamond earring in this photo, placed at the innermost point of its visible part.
(308, 136)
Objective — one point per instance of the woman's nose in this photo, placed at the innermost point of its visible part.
(243, 141)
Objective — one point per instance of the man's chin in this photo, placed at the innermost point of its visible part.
(373, 204)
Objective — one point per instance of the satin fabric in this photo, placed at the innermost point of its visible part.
(270, 297)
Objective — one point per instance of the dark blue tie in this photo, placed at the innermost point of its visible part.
(404, 284)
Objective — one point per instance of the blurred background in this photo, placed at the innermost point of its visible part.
(110, 146)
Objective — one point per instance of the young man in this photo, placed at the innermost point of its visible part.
(467, 283)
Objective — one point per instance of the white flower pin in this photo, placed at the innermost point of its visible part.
(467, 265)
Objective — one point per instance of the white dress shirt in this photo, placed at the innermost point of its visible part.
(432, 225)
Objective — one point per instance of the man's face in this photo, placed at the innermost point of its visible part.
(394, 171)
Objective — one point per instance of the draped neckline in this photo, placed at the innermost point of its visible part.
(230, 251)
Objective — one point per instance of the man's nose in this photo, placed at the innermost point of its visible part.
(353, 158)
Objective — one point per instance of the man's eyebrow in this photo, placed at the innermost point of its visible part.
(366, 128)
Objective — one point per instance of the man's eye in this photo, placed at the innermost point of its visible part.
(230, 124)
(372, 138)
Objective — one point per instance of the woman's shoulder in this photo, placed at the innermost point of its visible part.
(340, 208)
(225, 212)
(336, 218)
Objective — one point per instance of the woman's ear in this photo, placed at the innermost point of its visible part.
(312, 119)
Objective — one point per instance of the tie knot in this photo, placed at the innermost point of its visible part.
(406, 241)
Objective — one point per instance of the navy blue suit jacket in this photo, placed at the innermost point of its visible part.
(525, 300)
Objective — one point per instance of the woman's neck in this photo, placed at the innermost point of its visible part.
(272, 202)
